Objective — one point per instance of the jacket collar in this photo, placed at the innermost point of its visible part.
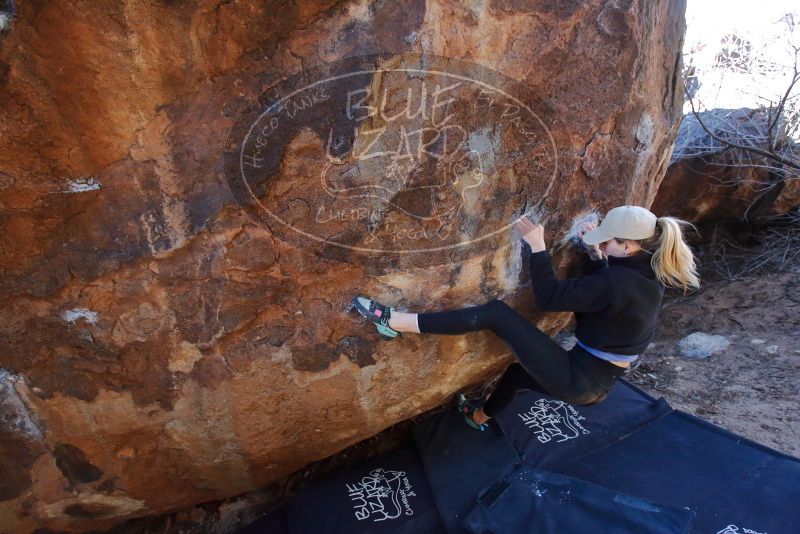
(639, 262)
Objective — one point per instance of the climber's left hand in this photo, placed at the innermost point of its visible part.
(531, 233)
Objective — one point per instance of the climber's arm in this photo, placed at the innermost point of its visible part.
(588, 293)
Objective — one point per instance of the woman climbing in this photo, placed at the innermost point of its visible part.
(629, 260)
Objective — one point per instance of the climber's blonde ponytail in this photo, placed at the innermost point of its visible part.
(672, 261)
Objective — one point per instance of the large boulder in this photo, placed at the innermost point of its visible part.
(175, 322)
(710, 183)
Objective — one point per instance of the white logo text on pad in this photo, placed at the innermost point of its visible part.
(733, 529)
(381, 495)
(553, 420)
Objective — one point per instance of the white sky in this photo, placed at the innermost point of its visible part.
(708, 21)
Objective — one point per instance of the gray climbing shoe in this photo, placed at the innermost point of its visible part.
(378, 314)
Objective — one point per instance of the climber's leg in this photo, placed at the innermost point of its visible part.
(513, 380)
(543, 359)
(403, 321)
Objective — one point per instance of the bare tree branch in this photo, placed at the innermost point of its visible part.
(765, 153)
(779, 111)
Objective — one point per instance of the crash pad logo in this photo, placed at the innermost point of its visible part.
(553, 420)
(414, 155)
(381, 495)
(733, 529)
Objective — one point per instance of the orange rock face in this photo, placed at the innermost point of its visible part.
(176, 323)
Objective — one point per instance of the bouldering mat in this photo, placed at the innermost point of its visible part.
(539, 502)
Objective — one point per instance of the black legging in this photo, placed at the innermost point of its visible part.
(574, 376)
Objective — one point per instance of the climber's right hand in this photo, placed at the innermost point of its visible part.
(593, 251)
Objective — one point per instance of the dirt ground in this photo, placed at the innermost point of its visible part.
(751, 388)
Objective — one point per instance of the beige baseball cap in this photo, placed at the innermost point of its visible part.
(623, 222)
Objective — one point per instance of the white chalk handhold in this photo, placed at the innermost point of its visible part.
(74, 314)
(81, 185)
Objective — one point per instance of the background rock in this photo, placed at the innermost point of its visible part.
(173, 349)
(702, 345)
(709, 184)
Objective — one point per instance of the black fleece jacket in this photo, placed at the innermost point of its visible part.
(616, 302)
